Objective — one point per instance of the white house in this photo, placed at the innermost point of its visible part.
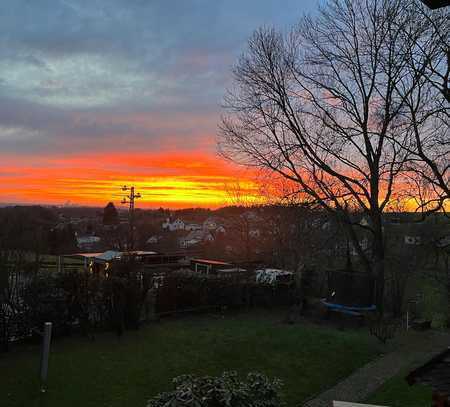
(191, 239)
(195, 237)
(177, 224)
(210, 224)
(192, 226)
(272, 276)
(87, 242)
(214, 224)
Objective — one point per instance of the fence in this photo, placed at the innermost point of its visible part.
(121, 297)
(186, 290)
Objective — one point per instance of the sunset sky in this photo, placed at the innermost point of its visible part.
(99, 93)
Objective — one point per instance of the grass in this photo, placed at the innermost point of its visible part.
(127, 371)
(397, 393)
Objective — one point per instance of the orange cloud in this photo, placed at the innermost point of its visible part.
(164, 179)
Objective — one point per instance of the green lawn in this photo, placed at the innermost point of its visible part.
(127, 371)
(397, 393)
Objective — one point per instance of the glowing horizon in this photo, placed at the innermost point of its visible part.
(97, 94)
(164, 180)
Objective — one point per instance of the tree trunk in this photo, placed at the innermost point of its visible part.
(447, 270)
(378, 261)
(378, 268)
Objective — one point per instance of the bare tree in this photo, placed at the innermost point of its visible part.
(240, 225)
(426, 114)
(321, 107)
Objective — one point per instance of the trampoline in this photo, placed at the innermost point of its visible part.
(356, 311)
(350, 292)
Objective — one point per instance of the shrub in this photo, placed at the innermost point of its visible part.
(14, 313)
(222, 391)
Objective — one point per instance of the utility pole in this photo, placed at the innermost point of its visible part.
(129, 199)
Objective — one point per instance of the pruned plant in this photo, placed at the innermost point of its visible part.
(226, 390)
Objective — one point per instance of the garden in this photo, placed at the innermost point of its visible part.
(127, 370)
(122, 333)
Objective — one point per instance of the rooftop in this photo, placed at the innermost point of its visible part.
(212, 262)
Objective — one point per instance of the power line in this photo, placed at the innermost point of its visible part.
(129, 199)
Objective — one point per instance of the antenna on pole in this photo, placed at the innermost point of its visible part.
(129, 199)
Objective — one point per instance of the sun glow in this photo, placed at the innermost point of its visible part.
(168, 180)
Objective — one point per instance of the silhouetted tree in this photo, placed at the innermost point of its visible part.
(324, 107)
(425, 115)
(110, 215)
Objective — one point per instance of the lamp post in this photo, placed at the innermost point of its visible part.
(45, 354)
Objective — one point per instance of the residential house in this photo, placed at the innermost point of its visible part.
(210, 224)
(272, 276)
(87, 242)
(209, 266)
(177, 224)
(190, 226)
(195, 237)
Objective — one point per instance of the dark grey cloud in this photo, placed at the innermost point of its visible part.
(65, 65)
(28, 127)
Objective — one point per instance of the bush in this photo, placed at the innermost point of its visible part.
(223, 391)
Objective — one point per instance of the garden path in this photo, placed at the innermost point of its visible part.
(414, 350)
